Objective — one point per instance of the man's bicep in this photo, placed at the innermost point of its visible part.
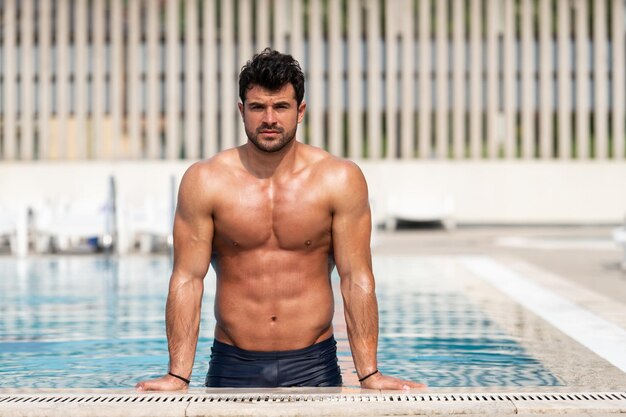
(352, 225)
(193, 229)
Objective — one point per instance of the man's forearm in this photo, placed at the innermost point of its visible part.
(182, 323)
(361, 311)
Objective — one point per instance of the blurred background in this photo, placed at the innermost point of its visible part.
(460, 112)
(491, 132)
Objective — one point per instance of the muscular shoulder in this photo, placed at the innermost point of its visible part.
(343, 176)
(346, 188)
(333, 168)
(340, 178)
(206, 179)
(213, 170)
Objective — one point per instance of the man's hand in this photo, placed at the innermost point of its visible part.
(165, 383)
(380, 381)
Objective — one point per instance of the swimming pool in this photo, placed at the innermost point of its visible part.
(97, 322)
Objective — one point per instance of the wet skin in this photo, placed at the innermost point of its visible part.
(273, 217)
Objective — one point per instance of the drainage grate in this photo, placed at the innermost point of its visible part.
(302, 398)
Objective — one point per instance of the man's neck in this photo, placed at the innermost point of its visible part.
(263, 164)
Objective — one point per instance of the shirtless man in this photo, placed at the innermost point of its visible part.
(274, 216)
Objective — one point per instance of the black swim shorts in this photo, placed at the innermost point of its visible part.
(314, 366)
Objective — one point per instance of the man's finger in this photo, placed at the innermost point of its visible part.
(399, 384)
(412, 384)
(154, 385)
(145, 386)
(391, 383)
(405, 385)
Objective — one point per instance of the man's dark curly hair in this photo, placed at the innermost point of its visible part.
(271, 70)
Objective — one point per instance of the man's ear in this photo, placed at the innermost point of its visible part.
(240, 105)
(301, 110)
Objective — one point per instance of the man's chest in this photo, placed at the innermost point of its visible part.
(290, 216)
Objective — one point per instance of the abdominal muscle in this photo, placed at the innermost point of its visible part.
(273, 300)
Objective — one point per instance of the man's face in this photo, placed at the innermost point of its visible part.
(271, 117)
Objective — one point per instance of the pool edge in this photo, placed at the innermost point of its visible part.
(310, 402)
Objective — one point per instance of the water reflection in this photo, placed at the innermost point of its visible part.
(99, 322)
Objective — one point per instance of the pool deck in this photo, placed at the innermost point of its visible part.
(580, 265)
(585, 256)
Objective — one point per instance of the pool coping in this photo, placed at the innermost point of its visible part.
(305, 402)
(576, 364)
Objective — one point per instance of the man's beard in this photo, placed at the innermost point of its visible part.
(281, 140)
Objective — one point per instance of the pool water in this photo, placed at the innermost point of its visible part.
(97, 322)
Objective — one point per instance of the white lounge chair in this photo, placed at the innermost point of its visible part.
(420, 209)
(64, 223)
(149, 223)
(14, 227)
(619, 237)
(146, 220)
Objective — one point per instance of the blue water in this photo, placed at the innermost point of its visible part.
(92, 322)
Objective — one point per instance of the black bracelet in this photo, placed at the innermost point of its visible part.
(367, 376)
(185, 380)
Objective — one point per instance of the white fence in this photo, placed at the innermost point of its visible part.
(444, 79)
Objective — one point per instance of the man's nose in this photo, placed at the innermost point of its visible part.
(269, 117)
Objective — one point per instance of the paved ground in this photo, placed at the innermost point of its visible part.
(586, 256)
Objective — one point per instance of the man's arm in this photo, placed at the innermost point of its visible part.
(351, 230)
(193, 235)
